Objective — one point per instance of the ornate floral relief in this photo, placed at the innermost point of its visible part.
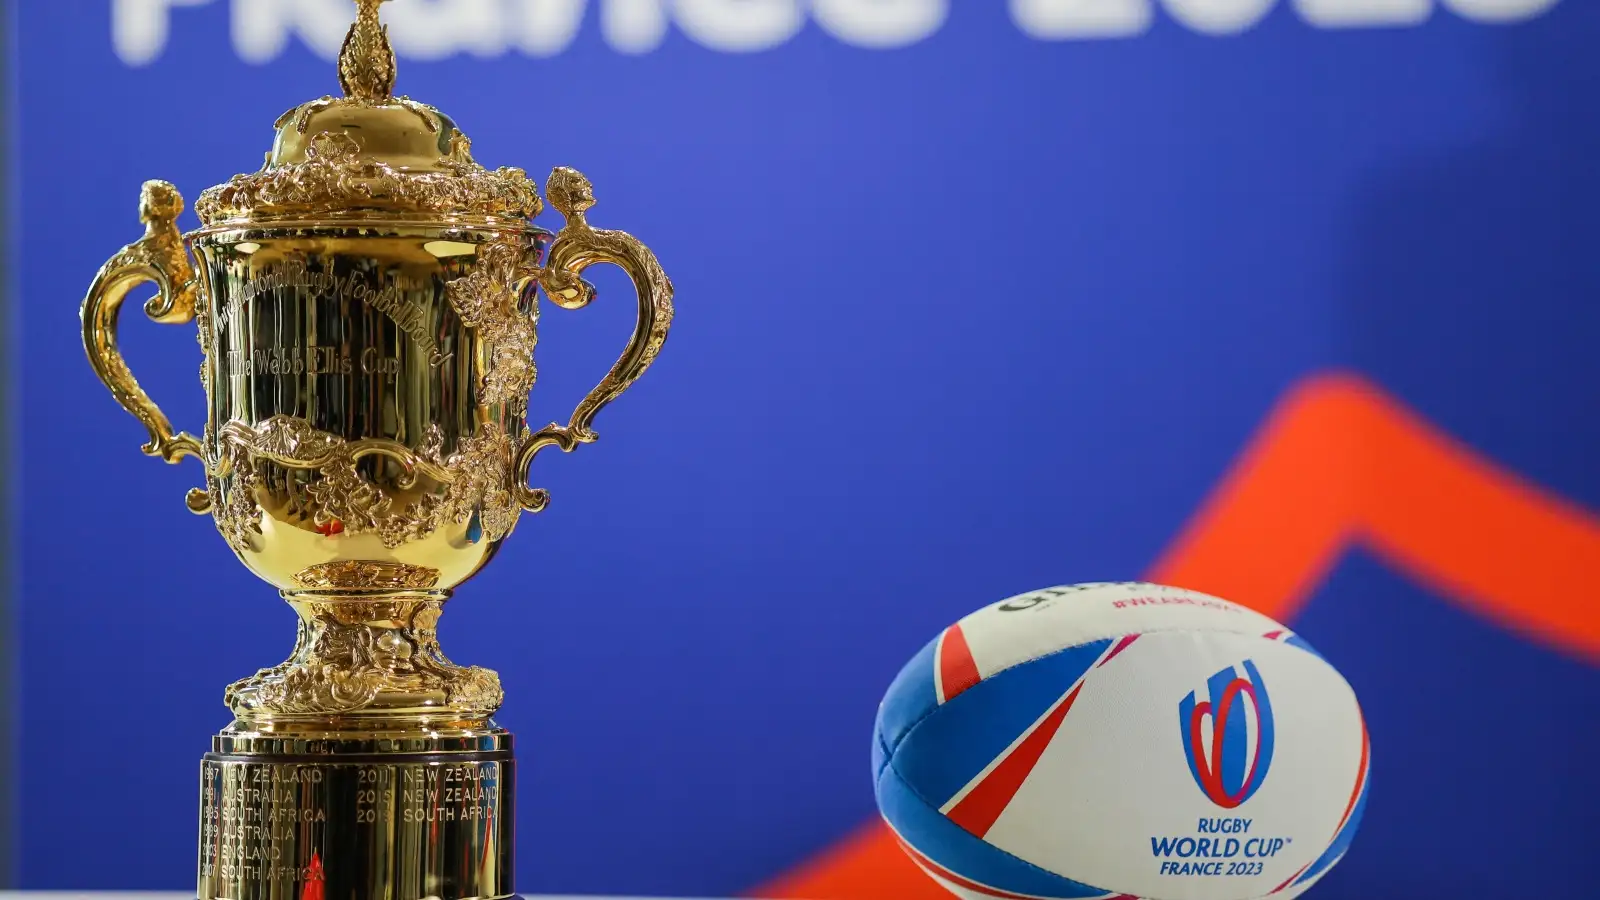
(334, 177)
(207, 343)
(350, 655)
(481, 473)
(234, 506)
(476, 478)
(366, 575)
(486, 300)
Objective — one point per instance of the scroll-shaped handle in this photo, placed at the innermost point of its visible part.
(578, 246)
(156, 258)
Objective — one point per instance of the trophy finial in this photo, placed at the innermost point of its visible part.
(366, 62)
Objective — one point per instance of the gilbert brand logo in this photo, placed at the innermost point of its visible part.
(433, 29)
(1229, 760)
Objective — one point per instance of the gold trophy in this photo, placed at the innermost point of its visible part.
(367, 313)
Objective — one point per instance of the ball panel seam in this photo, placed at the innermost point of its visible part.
(1117, 633)
(911, 729)
(892, 772)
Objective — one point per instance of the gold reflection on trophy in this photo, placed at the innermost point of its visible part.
(367, 311)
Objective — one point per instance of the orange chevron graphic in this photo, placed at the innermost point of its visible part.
(1338, 463)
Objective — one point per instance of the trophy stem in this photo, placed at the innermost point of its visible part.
(366, 659)
(364, 766)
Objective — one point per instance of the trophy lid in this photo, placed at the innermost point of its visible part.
(369, 153)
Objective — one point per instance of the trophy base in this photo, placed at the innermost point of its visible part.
(401, 816)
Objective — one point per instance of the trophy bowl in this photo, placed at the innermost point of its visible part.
(367, 308)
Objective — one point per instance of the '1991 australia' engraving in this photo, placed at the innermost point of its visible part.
(396, 298)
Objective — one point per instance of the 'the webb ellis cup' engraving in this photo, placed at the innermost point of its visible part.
(314, 360)
(368, 338)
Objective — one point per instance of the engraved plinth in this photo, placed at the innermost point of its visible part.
(421, 817)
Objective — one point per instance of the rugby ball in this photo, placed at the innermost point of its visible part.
(1121, 740)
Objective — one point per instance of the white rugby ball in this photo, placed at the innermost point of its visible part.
(1125, 740)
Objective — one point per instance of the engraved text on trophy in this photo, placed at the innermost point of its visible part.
(398, 300)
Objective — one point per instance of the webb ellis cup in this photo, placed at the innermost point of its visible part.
(367, 312)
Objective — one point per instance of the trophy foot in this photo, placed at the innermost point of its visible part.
(371, 657)
(364, 766)
(405, 816)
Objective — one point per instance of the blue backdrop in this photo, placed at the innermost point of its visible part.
(973, 298)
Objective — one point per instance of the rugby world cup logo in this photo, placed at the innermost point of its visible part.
(1229, 759)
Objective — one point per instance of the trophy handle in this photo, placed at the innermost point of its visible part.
(578, 246)
(156, 258)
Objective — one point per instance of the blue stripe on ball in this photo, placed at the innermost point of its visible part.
(909, 700)
(945, 751)
(1341, 841)
(1295, 640)
(946, 843)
